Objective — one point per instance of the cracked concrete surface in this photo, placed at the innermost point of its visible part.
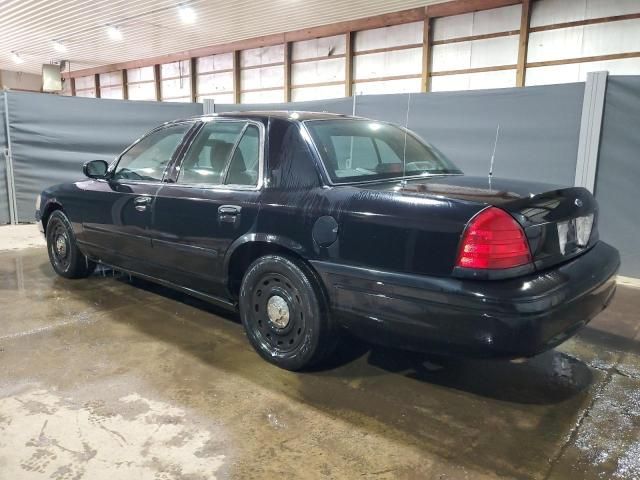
(107, 378)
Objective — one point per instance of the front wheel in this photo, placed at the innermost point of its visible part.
(284, 313)
(65, 256)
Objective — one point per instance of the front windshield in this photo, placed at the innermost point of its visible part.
(355, 150)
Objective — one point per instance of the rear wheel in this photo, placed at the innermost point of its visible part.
(284, 313)
(65, 256)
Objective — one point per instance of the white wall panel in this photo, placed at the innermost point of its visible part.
(111, 92)
(142, 91)
(111, 78)
(319, 71)
(222, 61)
(175, 69)
(269, 96)
(140, 74)
(178, 87)
(397, 35)
(390, 86)
(497, 20)
(319, 47)
(455, 26)
(478, 23)
(222, 98)
(215, 82)
(475, 54)
(494, 51)
(385, 64)
(264, 77)
(317, 93)
(451, 56)
(262, 56)
(474, 81)
(86, 93)
(585, 41)
(548, 12)
(85, 82)
(577, 72)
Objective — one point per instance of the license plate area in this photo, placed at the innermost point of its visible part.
(574, 233)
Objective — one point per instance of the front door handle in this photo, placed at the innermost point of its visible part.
(229, 213)
(141, 203)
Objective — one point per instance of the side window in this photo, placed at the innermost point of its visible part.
(244, 166)
(206, 160)
(148, 158)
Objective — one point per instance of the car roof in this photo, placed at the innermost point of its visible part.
(292, 115)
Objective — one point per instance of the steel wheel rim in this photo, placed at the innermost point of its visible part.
(60, 247)
(284, 330)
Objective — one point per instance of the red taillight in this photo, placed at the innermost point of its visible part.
(493, 239)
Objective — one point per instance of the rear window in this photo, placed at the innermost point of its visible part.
(355, 150)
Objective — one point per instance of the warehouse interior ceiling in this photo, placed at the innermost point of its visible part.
(36, 30)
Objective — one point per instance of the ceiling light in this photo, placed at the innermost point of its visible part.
(16, 58)
(187, 14)
(59, 46)
(114, 32)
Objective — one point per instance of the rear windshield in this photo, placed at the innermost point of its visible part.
(356, 150)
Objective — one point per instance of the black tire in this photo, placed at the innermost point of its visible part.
(295, 337)
(66, 258)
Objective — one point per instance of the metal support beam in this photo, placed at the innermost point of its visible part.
(287, 71)
(158, 82)
(11, 185)
(523, 45)
(125, 85)
(194, 79)
(426, 55)
(590, 126)
(237, 97)
(348, 64)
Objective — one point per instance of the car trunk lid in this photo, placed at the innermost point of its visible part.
(559, 222)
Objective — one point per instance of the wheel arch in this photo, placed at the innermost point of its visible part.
(248, 248)
(50, 207)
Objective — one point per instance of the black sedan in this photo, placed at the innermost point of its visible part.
(309, 223)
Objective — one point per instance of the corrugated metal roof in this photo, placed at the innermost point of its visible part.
(153, 27)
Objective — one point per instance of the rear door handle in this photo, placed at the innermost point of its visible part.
(141, 203)
(229, 213)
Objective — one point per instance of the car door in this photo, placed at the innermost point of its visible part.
(118, 210)
(212, 200)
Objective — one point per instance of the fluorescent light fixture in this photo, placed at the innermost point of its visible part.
(114, 32)
(16, 58)
(59, 46)
(187, 14)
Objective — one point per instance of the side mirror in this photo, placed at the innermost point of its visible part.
(95, 169)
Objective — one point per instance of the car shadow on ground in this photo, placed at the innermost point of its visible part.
(549, 378)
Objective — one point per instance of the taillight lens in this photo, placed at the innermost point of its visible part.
(493, 240)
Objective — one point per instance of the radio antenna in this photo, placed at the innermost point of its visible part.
(404, 149)
(493, 154)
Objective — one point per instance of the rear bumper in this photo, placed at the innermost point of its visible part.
(507, 318)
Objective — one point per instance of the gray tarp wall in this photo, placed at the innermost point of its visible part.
(52, 136)
(539, 126)
(618, 175)
(4, 196)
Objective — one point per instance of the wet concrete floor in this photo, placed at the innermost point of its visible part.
(105, 378)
